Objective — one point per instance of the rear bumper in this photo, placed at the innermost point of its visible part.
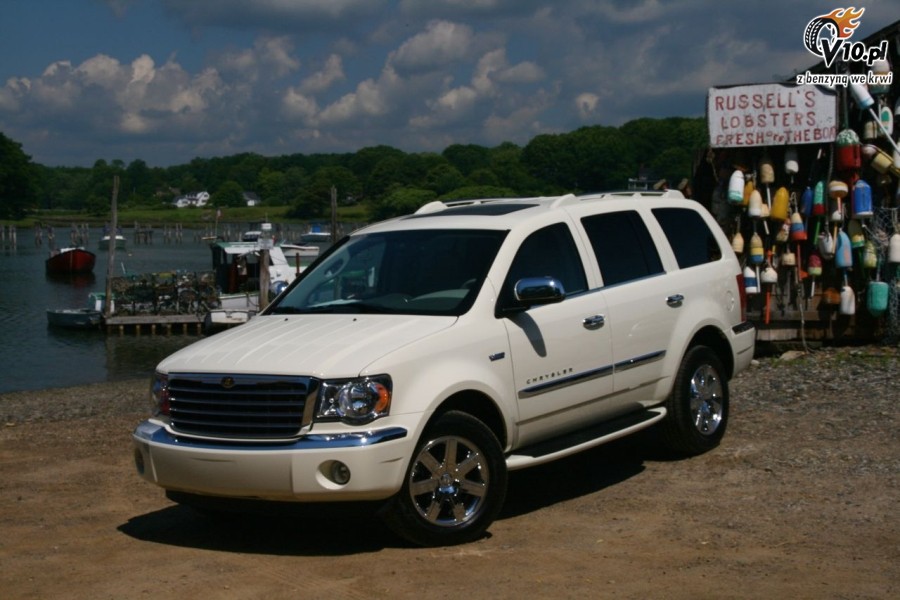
(744, 344)
(300, 471)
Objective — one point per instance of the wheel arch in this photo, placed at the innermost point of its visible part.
(713, 338)
(478, 405)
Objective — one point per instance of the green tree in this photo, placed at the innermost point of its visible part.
(315, 198)
(271, 186)
(467, 157)
(443, 178)
(18, 180)
(401, 201)
(230, 193)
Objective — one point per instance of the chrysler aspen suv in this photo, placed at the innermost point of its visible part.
(421, 359)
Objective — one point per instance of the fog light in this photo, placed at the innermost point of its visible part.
(340, 473)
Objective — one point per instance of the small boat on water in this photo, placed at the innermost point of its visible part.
(87, 317)
(108, 238)
(223, 318)
(299, 255)
(237, 269)
(70, 261)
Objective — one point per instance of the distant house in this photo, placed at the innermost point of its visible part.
(252, 199)
(198, 199)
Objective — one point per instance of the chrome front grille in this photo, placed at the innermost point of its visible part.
(239, 406)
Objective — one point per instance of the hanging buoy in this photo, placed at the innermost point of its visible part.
(847, 156)
(798, 231)
(754, 206)
(748, 191)
(779, 211)
(818, 207)
(757, 254)
(880, 69)
(737, 243)
(736, 187)
(881, 160)
(825, 244)
(894, 249)
(871, 131)
(791, 163)
(751, 284)
(788, 258)
(869, 255)
(784, 232)
(857, 237)
(769, 275)
(766, 171)
(877, 298)
(806, 202)
(848, 300)
(814, 267)
(861, 95)
(862, 200)
(886, 117)
(843, 254)
(837, 191)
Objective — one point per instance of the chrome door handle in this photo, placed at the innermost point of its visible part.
(595, 322)
(675, 300)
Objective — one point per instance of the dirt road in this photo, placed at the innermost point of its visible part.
(800, 501)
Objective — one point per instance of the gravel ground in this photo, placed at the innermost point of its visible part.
(799, 501)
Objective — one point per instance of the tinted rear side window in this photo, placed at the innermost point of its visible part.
(690, 237)
(623, 246)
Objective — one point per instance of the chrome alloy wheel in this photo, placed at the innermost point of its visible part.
(448, 482)
(707, 407)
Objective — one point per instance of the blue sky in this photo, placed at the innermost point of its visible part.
(165, 81)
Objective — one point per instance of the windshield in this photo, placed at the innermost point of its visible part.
(433, 272)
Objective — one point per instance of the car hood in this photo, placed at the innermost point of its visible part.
(315, 345)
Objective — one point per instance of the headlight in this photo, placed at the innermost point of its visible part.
(159, 394)
(354, 400)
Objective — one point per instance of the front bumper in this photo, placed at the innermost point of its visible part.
(299, 471)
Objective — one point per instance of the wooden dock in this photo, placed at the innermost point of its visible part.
(154, 324)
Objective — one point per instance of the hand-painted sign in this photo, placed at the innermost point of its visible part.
(770, 115)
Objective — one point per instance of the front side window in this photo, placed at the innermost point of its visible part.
(624, 248)
(436, 272)
(548, 252)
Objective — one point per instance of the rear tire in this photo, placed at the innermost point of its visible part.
(698, 404)
(455, 484)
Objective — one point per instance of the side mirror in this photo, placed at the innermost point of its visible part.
(539, 290)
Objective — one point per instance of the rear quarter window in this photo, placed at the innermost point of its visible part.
(689, 236)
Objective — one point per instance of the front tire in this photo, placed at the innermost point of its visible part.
(455, 484)
(698, 404)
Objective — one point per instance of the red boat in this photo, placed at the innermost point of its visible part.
(68, 261)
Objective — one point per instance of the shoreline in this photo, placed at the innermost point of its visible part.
(85, 401)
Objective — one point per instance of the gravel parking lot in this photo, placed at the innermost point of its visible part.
(799, 501)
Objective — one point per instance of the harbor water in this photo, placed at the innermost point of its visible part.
(34, 355)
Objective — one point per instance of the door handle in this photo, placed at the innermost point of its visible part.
(675, 300)
(595, 322)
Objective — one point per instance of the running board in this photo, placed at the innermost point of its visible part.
(583, 439)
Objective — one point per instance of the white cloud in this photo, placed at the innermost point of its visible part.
(274, 75)
(369, 100)
(442, 43)
(332, 71)
(586, 104)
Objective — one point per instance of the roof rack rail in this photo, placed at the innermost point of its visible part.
(634, 194)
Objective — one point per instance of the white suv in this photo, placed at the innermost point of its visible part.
(422, 358)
